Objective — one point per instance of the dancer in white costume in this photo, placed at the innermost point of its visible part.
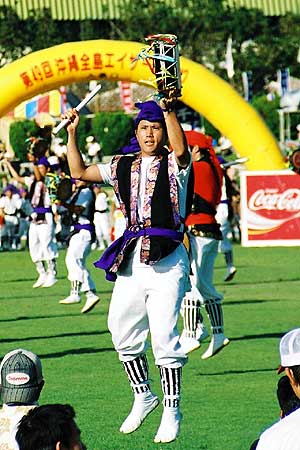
(41, 237)
(81, 207)
(150, 263)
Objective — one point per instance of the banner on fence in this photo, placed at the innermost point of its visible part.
(270, 208)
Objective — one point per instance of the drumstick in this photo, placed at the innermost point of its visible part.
(234, 162)
(89, 97)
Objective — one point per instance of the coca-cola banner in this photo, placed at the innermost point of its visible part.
(270, 208)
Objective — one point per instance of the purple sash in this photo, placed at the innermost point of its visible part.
(42, 210)
(83, 226)
(119, 246)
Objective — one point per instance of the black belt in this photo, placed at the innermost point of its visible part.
(195, 231)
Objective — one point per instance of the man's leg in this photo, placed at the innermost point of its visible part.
(170, 422)
(144, 400)
(192, 318)
(41, 270)
(219, 340)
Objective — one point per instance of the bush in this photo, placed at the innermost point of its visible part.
(18, 132)
(112, 130)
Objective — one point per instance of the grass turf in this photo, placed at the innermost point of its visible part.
(227, 400)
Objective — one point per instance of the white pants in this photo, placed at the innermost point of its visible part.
(41, 244)
(148, 298)
(203, 252)
(225, 244)
(102, 227)
(78, 250)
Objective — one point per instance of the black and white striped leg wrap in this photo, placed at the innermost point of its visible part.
(171, 385)
(215, 314)
(75, 287)
(138, 374)
(52, 267)
(191, 315)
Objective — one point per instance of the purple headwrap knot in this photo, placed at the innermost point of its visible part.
(150, 111)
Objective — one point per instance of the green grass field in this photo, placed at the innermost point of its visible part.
(226, 400)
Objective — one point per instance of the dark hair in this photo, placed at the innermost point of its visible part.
(287, 399)
(296, 372)
(46, 425)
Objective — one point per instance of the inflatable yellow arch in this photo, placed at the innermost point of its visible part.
(203, 91)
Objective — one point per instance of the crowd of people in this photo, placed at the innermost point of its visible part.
(16, 204)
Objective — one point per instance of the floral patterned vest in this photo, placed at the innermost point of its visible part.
(160, 205)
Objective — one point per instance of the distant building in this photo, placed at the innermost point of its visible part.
(112, 9)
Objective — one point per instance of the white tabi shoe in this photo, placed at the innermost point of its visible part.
(230, 274)
(169, 427)
(188, 344)
(50, 280)
(40, 281)
(217, 342)
(91, 301)
(73, 298)
(143, 405)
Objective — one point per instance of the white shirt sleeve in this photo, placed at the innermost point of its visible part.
(105, 172)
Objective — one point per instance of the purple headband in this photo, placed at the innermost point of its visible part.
(43, 161)
(150, 111)
(10, 187)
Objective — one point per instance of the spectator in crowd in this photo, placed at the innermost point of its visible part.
(93, 148)
(9, 206)
(21, 385)
(50, 427)
(284, 435)
(287, 399)
(102, 218)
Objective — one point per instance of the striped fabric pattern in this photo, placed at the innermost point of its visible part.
(112, 9)
(171, 385)
(214, 310)
(70, 9)
(137, 372)
(269, 7)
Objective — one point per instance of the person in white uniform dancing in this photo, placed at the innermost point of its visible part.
(42, 246)
(149, 263)
(81, 207)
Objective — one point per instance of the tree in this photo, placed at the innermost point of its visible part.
(18, 132)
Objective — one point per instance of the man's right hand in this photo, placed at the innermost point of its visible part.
(73, 117)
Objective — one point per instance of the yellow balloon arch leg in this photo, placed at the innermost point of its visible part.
(203, 91)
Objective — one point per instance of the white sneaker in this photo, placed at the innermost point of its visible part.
(50, 280)
(143, 405)
(201, 332)
(230, 274)
(73, 298)
(91, 301)
(188, 344)
(169, 426)
(40, 281)
(217, 342)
